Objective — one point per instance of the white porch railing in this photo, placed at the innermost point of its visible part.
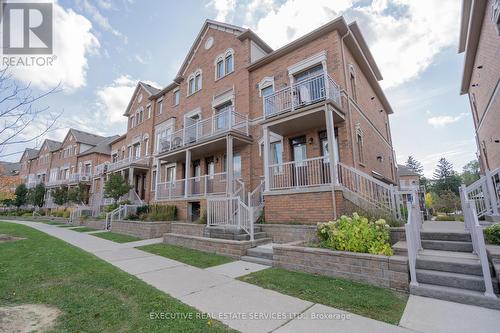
(485, 193)
(297, 174)
(205, 185)
(120, 213)
(227, 120)
(101, 169)
(303, 93)
(142, 161)
(413, 240)
(472, 225)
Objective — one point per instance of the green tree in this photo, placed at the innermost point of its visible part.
(414, 165)
(60, 195)
(115, 187)
(445, 178)
(470, 172)
(21, 195)
(78, 194)
(37, 195)
(447, 202)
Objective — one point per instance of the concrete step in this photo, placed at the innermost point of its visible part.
(260, 252)
(256, 235)
(492, 218)
(457, 246)
(257, 260)
(448, 261)
(400, 248)
(445, 236)
(451, 294)
(455, 280)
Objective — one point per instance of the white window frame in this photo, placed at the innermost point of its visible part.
(176, 96)
(148, 108)
(196, 85)
(160, 107)
(222, 57)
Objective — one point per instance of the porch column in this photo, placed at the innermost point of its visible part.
(131, 183)
(187, 173)
(492, 193)
(157, 178)
(330, 131)
(229, 161)
(266, 158)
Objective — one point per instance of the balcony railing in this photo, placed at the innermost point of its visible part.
(33, 182)
(205, 185)
(297, 174)
(100, 169)
(144, 161)
(300, 94)
(227, 120)
(72, 179)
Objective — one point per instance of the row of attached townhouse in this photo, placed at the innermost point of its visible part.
(65, 163)
(302, 128)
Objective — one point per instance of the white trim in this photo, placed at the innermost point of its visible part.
(192, 113)
(266, 82)
(316, 59)
(223, 98)
(488, 107)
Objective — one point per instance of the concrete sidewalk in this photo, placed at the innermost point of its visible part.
(242, 306)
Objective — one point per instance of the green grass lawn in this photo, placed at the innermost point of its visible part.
(188, 256)
(119, 238)
(84, 229)
(94, 296)
(359, 298)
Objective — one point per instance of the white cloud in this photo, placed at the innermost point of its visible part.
(404, 35)
(441, 121)
(73, 43)
(112, 100)
(224, 8)
(99, 18)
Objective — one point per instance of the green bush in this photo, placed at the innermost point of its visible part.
(110, 208)
(356, 234)
(492, 234)
(162, 213)
(142, 210)
(27, 214)
(66, 214)
(203, 218)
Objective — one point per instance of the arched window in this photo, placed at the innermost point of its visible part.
(224, 64)
(194, 82)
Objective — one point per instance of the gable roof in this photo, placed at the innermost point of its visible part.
(150, 90)
(9, 168)
(403, 170)
(103, 147)
(52, 144)
(85, 137)
(31, 153)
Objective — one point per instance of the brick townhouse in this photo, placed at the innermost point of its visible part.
(65, 163)
(240, 116)
(480, 43)
(243, 121)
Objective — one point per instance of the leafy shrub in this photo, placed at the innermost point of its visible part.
(27, 214)
(203, 218)
(66, 214)
(492, 234)
(110, 208)
(356, 234)
(132, 217)
(162, 213)
(142, 210)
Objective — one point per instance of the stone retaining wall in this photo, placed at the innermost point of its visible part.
(96, 224)
(188, 229)
(283, 233)
(397, 234)
(141, 229)
(389, 272)
(230, 248)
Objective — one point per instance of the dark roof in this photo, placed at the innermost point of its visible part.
(87, 138)
(403, 170)
(9, 168)
(103, 147)
(32, 153)
(53, 145)
(149, 88)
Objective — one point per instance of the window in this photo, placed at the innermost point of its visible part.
(130, 152)
(137, 151)
(170, 172)
(277, 156)
(210, 167)
(132, 122)
(160, 106)
(224, 64)
(220, 68)
(223, 115)
(352, 81)
(141, 116)
(194, 82)
(359, 145)
(114, 158)
(148, 108)
(177, 97)
(268, 104)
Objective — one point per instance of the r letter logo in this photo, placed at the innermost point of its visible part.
(27, 28)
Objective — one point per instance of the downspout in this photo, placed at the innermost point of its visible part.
(347, 94)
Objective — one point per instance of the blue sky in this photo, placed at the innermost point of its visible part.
(104, 47)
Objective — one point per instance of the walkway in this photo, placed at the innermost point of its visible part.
(246, 307)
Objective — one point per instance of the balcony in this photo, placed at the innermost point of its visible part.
(72, 179)
(100, 169)
(201, 186)
(205, 129)
(33, 182)
(310, 91)
(311, 172)
(130, 161)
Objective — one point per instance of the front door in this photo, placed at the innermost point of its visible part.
(299, 154)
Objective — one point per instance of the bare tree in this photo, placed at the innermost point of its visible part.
(21, 121)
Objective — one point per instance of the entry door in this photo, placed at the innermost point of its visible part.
(299, 154)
